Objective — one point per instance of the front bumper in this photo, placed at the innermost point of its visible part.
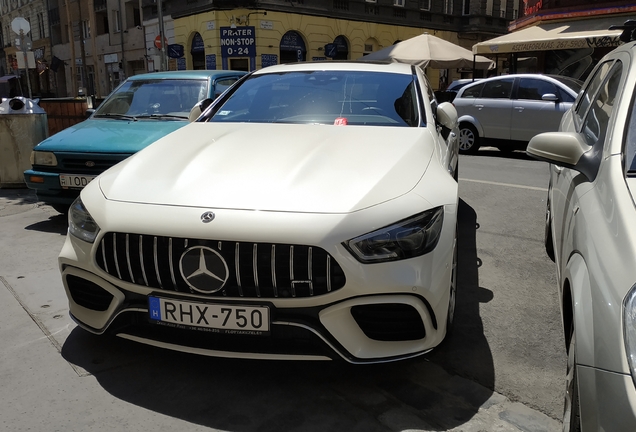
(48, 188)
(607, 399)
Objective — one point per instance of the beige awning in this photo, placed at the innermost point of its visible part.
(582, 33)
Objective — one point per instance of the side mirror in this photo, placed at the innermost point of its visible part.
(447, 115)
(198, 109)
(567, 149)
(89, 112)
(550, 97)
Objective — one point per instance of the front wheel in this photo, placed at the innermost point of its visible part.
(468, 139)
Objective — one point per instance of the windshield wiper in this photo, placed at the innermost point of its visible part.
(117, 116)
(160, 116)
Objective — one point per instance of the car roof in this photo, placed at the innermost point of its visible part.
(401, 68)
(186, 74)
(549, 77)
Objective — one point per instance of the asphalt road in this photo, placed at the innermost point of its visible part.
(502, 369)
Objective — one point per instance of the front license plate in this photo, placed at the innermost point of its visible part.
(75, 181)
(217, 318)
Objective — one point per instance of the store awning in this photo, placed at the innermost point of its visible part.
(582, 33)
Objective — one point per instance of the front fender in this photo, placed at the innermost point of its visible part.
(576, 304)
(473, 121)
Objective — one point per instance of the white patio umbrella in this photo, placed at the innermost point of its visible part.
(430, 51)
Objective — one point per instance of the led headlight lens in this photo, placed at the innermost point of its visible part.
(80, 222)
(43, 158)
(408, 238)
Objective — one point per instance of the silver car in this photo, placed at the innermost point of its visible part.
(591, 235)
(507, 111)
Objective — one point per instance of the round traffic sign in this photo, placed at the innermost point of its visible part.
(158, 41)
(20, 24)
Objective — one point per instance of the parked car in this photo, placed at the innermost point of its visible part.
(142, 109)
(507, 111)
(591, 235)
(450, 93)
(310, 213)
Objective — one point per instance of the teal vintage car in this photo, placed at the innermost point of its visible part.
(141, 110)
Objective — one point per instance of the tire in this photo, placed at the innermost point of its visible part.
(61, 208)
(547, 236)
(571, 406)
(468, 139)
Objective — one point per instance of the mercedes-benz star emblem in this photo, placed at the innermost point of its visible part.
(208, 216)
(204, 269)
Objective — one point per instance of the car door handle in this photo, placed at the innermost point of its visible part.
(479, 106)
(520, 108)
(575, 209)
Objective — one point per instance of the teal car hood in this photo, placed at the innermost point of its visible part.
(109, 136)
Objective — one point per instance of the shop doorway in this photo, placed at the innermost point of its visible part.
(197, 51)
(292, 48)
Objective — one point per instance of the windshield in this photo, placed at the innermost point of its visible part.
(325, 97)
(173, 98)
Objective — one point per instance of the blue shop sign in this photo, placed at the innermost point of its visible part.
(210, 62)
(175, 51)
(238, 42)
(269, 60)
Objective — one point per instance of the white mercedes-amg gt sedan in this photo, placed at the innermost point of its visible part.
(310, 212)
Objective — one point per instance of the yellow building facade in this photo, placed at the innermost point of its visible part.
(247, 40)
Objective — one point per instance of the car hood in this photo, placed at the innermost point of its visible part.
(274, 167)
(109, 136)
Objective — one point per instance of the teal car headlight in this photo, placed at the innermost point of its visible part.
(81, 223)
(43, 158)
(408, 238)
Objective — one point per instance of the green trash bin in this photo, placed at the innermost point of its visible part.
(23, 124)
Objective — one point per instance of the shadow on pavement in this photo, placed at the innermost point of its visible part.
(513, 154)
(57, 224)
(261, 396)
(466, 352)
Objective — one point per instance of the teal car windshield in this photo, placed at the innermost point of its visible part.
(159, 98)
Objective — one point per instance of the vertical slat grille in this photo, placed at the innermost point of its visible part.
(255, 269)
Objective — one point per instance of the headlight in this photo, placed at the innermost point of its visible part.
(80, 222)
(629, 329)
(43, 158)
(408, 238)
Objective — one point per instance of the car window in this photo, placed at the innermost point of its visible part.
(222, 85)
(328, 97)
(497, 89)
(596, 122)
(139, 98)
(590, 91)
(534, 89)
(473, 91)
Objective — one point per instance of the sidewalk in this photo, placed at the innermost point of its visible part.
(56, 377)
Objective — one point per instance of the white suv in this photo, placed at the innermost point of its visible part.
(591, 236)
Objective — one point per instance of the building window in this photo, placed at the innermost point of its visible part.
(399, 13)
(425, 5)
(116, 21)
(448, 7)
(489, 7)
(86, 29)
(425, 16)
(371, 10)
(399, 3)
(466, 7)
